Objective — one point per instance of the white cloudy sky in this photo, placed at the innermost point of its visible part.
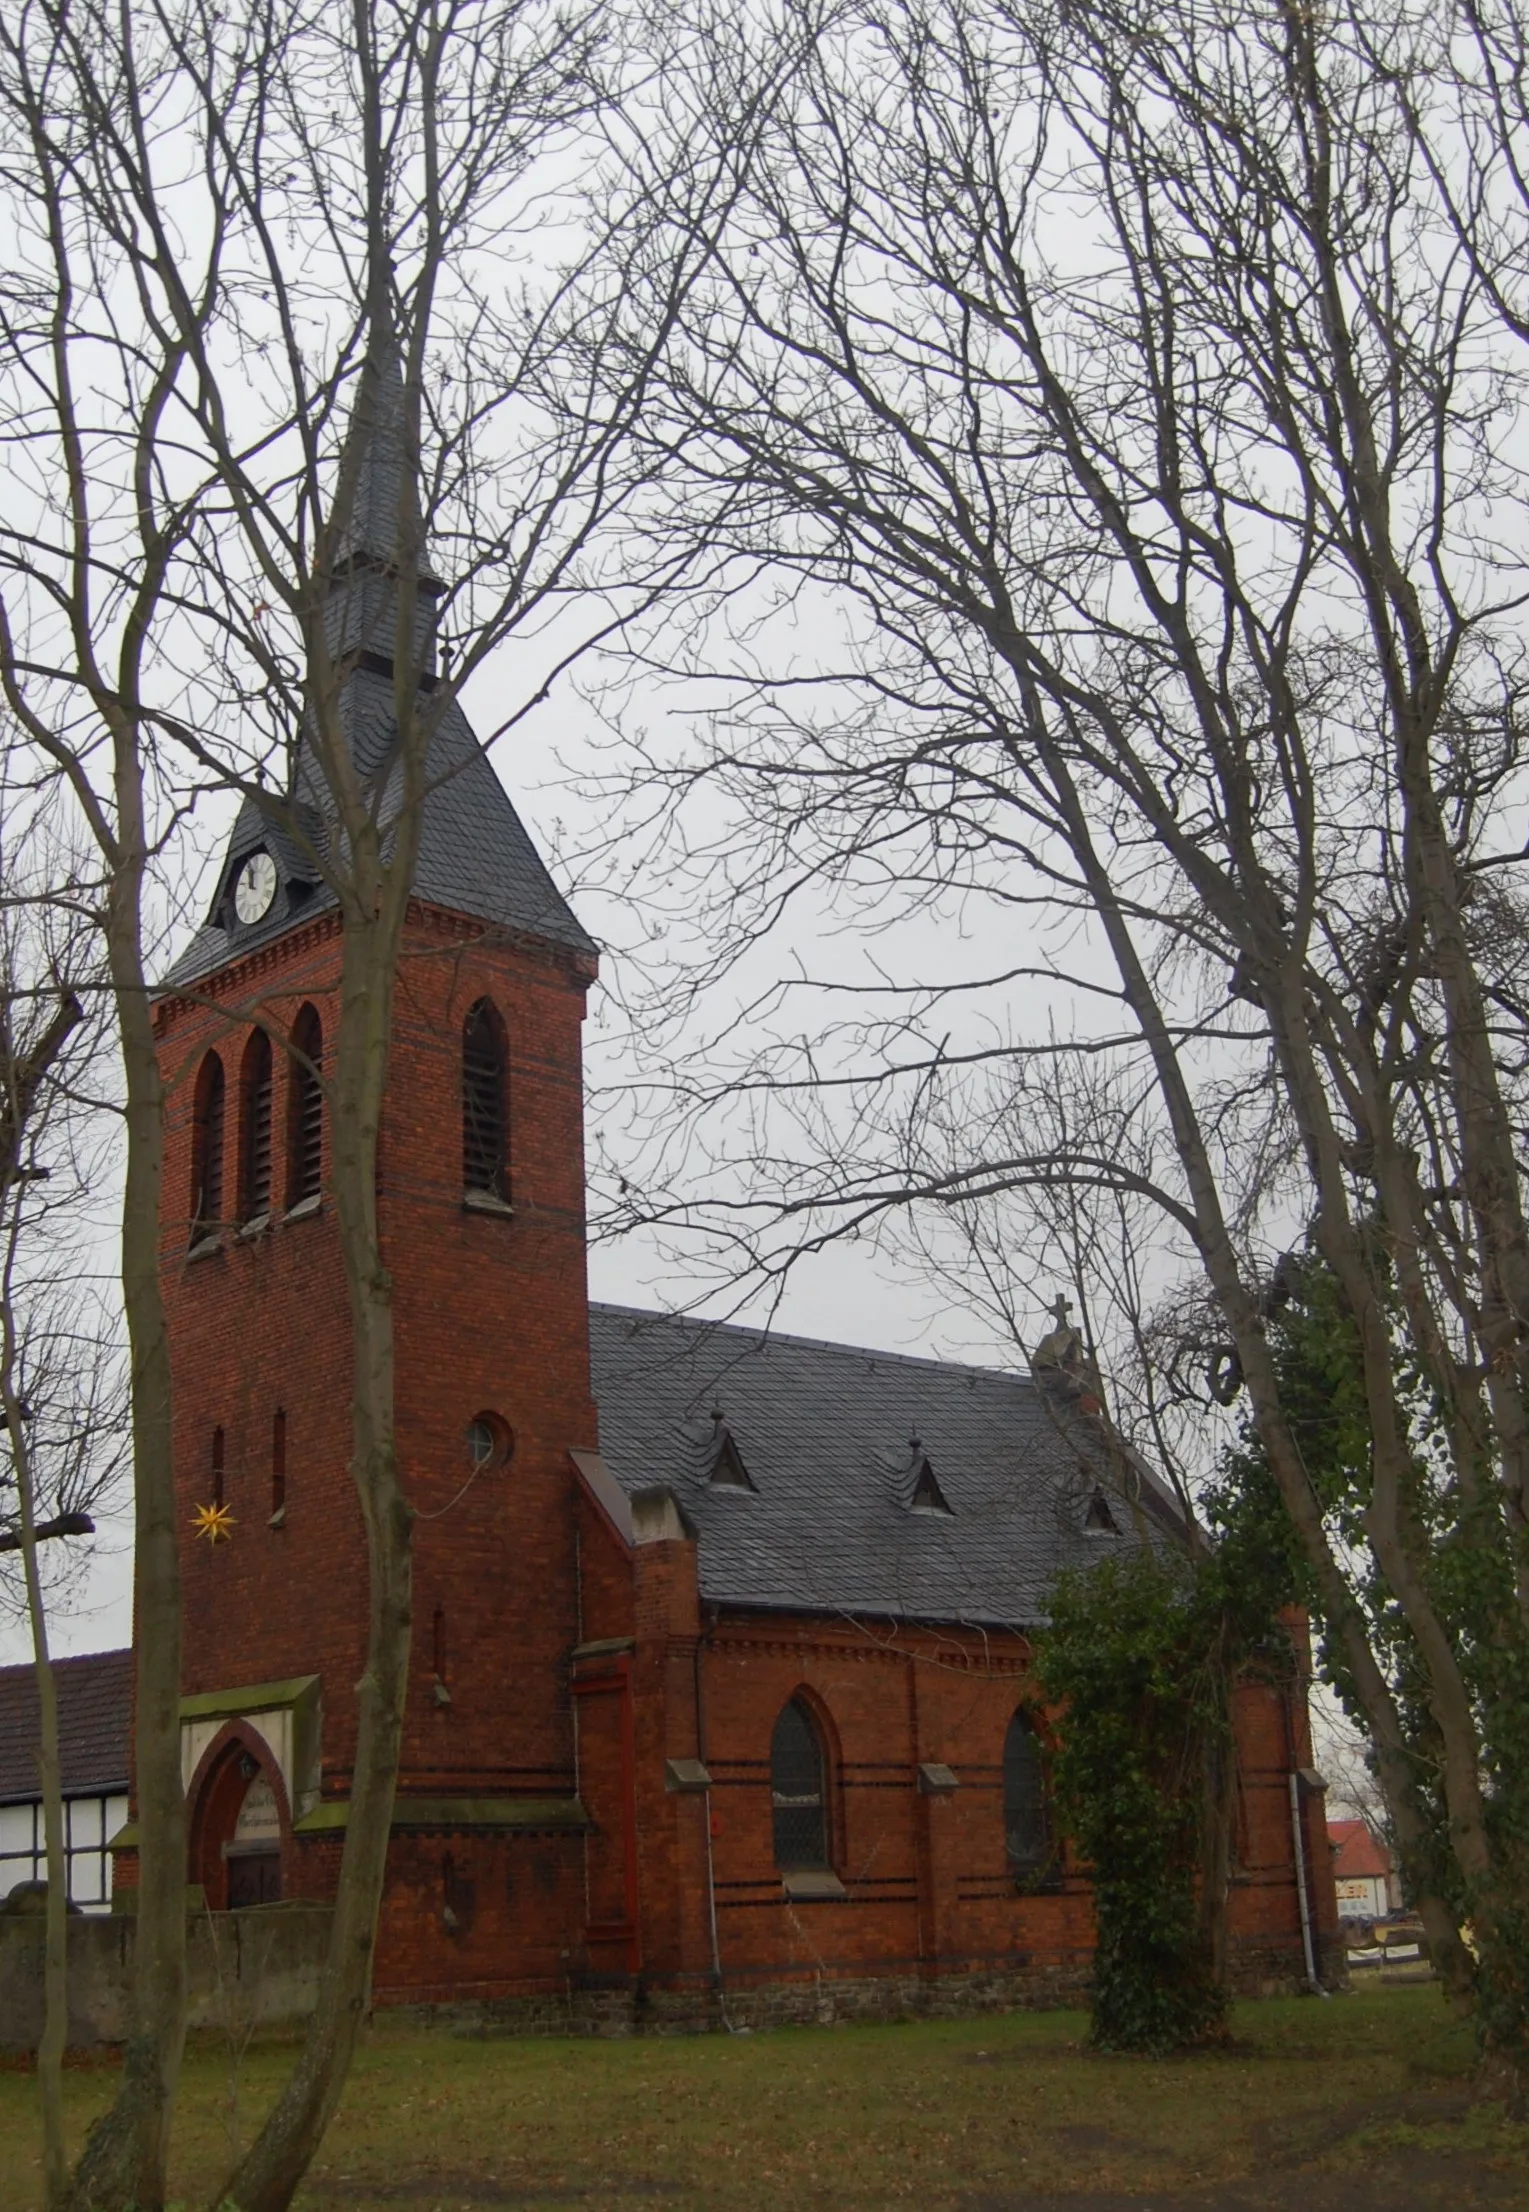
(848, 1292)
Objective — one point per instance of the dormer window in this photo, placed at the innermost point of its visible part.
(1099, 1520)
(928, 1497)
(727, 1469)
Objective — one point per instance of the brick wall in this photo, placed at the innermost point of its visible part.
(930, 1897)
(552, 1657)
(490, 1316)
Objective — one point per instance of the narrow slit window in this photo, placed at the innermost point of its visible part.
(278, 1464)
(1026, 1812)
(485, 1116)
(255, 1129)
(305, 1113)
(207, 1149)
(217, 1466)
(799, 1791)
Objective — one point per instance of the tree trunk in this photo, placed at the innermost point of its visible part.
(276, 2162)
(55, 2029)
(124, 2162)
(1450, 1956)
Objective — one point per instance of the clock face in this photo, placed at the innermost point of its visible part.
(255, 887)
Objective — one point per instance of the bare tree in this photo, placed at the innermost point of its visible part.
(1139, 391)
(292, 242)
(58, 1374)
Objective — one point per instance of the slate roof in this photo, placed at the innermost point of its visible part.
(475, 856)
(824, 1432)
(95, 1699)
(1357, 1854)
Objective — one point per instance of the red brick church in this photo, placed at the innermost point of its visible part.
(720, 1685)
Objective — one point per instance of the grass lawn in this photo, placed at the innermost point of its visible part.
(1360, 2104)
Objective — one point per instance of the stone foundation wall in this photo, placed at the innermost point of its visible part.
(260, 1969)
(244, 1970)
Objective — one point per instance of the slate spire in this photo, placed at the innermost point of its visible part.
(475, 858)
(373, 460)
(382, 491)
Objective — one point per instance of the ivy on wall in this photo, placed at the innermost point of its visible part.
(1141, 1655)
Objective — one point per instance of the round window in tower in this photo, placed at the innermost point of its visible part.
(490, 1440)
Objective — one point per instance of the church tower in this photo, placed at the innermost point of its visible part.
(481, 1204)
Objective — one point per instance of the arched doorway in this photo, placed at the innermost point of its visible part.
(236, 1829)
(254, 1849)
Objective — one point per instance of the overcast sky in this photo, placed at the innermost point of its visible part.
(849, 1293)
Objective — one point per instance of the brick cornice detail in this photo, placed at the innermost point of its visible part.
(220, 984)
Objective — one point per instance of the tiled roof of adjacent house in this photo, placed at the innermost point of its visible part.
(95, 1695)
(1357, 1853)
(831, 1513)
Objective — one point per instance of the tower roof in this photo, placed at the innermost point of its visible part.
(475, 856)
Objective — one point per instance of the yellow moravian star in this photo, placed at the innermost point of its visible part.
(214, 1522)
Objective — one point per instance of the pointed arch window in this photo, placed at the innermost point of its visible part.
(305, 1109)
(207, 1148)
(799, 1790)
(1026, 1809)
(255, 1129)
(485, 1108)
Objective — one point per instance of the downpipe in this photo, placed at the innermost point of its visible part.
(1303, 1895)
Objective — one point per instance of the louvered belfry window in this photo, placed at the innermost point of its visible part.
(798, 1790)
(1026, 1816)
(207, 1148)
(305, 1126)
(483, 1103)
(255, 1129)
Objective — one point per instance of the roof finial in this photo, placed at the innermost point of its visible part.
(1062, 1346)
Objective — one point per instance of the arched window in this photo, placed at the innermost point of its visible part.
(1026, 1814)
(207, 1148)
(799, 1790)
(484, 1108)
(255, 1129)
(305, 1109)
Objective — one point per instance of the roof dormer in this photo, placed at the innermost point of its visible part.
(727, 1471)
(1100, 1520)
(927, 1496)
